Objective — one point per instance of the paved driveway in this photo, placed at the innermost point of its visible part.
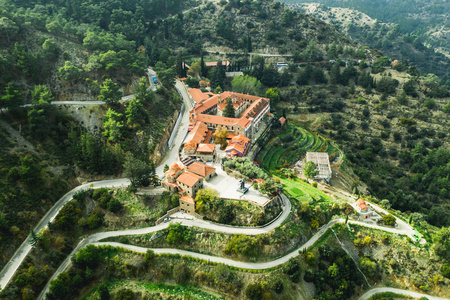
(227, 187)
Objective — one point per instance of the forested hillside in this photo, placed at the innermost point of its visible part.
(390, 121)
(73, 51)
(404, 42)
(425, 19)
(260, 26)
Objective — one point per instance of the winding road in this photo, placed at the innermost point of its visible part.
(9, 270)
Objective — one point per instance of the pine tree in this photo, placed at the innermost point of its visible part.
(34, 237)
(229, 111)
(335, 74)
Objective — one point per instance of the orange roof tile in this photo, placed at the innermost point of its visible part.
(233, 147)
(362, 204)
(198, 134)
(188, 199)
(200, 169)
(255, 108)
(244, 122)
(198, 95)
(240, 138)
(190, 145)
(205, 105)
(170, 184)
(217, 120)
(206, 148)
(282, 120)
(188, 178)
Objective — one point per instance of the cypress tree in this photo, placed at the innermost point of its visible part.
(203, 67)
(229, 110)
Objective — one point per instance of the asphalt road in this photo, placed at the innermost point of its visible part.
(181, 131)
(11, 267)
(96, 238)
(374, 291)
(151, 74)
(9, 270)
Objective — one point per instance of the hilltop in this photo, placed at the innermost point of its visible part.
(383, 34)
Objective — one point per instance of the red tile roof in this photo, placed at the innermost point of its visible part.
(217, 120)
(236, 147)
(197, 135)
(198, 95)
(206, 148)
(205, 105)
(362, 204)
(188, 199)
(188, 178)
(240, 138)
(282, 121)
(200, 169)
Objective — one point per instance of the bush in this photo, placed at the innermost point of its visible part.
(88, 256)
(125, 294)
(310, 259)
(309, 276)
(389, 219)
(367, 266)
(114, 205)
(446, 270)
(253, 291)
(181, 273)
(242, 244)
(103, 291)
(278, 286)
(246, 167)
(149, 257)
(178, 234)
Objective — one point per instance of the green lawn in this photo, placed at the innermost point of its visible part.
(176, 290)
(302, 191)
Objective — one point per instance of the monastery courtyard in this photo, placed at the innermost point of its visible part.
(227, 187)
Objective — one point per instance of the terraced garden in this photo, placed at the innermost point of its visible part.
(302, 191)
(291, 145)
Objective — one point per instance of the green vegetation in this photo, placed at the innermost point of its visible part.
(245, 167)
(153, 288)
(421, 41)
(310, 169)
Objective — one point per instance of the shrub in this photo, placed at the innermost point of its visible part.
(181, 272)
(178, 234)
(389, 219)
(446, 270)
(242, 244)
(278, 286)
(114, 205)
(103, 291)
(310, 259)
(88, 256)
(253, 291)
(149, 257)
(367, 266)
(125, 294)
